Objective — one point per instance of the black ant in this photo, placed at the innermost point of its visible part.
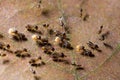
(33, 29)
(22, 53)
(87, 52)
(104, 36)
(94, 46)
(16, 35)
(100, 30)
(86, 17)
(77, 67)
(6, 61)
(36, 62)
(66, 44)
(107, 45)
(45, 25)
(41, 41)
(51, 31)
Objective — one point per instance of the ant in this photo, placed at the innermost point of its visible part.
(86, 17)
(77, 67)
(41, 41)
(87, 52)
(5, 47)
(33, 29)
(36, 62)
(22, 53)
(93, 46)
(45, 25)
(104, 36)
(65, 44)
(107, 45)
(5, 61)
(16, 35)
(100, 30)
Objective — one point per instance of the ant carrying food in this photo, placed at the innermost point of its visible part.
(16, 35)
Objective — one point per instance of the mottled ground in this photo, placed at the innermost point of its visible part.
(19, 13)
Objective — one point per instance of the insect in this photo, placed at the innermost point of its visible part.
(93, 46)
(100, 30)
(104, 36)
(33, 29)
(87, 52)
(58, 55)
(45, 12)
(62, 21)
(16, 35)
(79, 67)
(51, 31)
(5, 47)
(2, 55)
(6, 61)
(107, 45)
(81, 12)
(47, 50)
(41, 41)
(85, 17)
(66, 44)
(57, 60)
(62, 55)
(39, 3)
(22, 53)
(37, 62)
(45, 25)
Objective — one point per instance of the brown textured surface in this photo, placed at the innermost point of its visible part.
(19, 13)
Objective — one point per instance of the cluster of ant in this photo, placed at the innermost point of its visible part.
(93, 46)
(61, 39)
